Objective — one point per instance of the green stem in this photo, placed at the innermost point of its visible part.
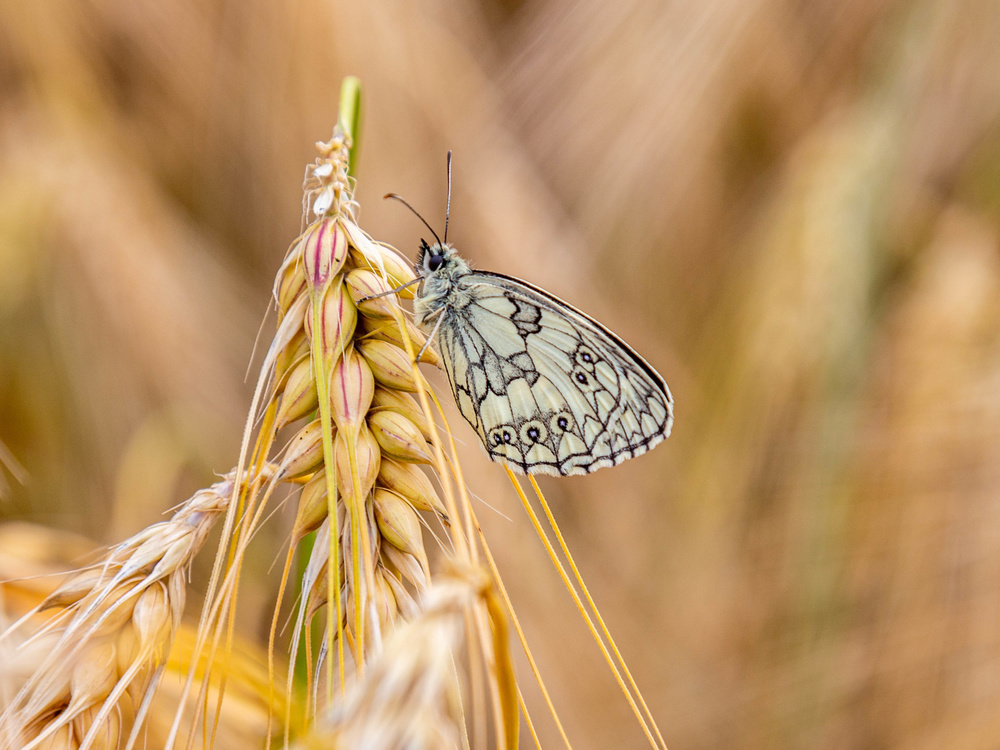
(349, 116)
(321, 372)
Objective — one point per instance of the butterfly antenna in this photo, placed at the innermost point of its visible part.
(415, 213)
(447, 211)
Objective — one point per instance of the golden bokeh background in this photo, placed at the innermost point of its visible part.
(792, 209)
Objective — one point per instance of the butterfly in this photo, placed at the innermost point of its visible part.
(547, 388)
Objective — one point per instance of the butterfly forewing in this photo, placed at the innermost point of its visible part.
(547, 388)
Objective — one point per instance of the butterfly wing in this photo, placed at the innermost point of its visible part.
(548, 389)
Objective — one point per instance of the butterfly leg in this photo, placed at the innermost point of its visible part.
(430, 336)
(392, 291)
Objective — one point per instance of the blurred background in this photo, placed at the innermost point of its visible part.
(791, 209)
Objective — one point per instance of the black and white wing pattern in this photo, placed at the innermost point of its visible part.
(548, 389)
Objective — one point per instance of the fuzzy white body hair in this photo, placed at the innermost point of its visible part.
(441, 288)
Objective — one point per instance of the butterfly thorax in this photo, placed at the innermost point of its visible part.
(442, 270)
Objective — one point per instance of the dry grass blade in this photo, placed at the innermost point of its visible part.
(629, 689)
(9, 463)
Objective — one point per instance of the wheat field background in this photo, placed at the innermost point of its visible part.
(791, 209)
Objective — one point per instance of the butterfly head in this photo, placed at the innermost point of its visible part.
(441, 270)
(438, 259)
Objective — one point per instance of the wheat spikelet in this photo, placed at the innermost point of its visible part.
(343, 328)
(411, 696)
(106, 647)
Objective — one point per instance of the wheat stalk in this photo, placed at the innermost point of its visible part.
(342, 359)
(344, 353)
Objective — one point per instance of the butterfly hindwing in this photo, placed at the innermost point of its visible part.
(547, 388)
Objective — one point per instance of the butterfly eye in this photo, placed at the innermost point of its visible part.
(435, 261)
